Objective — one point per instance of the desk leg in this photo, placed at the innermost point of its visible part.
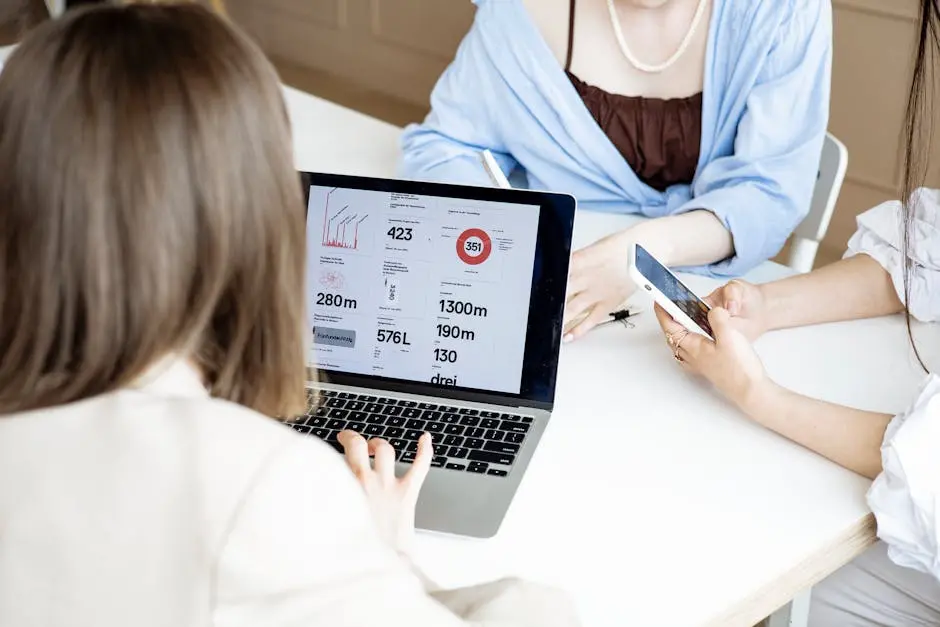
(793, 614)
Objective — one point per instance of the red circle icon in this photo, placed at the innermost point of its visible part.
(474, 247)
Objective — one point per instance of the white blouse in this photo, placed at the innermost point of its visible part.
(158, 505)
(905, 498)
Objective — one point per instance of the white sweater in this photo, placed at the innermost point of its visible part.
(158, 506)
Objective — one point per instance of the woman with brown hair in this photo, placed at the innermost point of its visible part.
(891, 266)
(17, 18)
(151, 318)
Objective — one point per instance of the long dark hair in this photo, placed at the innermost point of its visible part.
(918, 134)
(149, 207)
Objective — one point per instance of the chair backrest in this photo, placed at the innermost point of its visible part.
(832, 167)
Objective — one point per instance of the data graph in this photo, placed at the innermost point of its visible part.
(340, 225)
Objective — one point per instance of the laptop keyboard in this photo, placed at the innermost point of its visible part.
(465, 439)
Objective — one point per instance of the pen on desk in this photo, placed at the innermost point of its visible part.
(622, 314)
(499, 179)
(493, 170)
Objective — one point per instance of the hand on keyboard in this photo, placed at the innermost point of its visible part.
(392, 499)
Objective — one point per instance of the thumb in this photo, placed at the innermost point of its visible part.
(725, 296)
(732, 298)
(720, 321)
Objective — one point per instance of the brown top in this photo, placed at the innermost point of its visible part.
(660, 139)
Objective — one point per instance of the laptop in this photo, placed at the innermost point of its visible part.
(437, 308)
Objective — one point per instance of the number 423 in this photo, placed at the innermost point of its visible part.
(400, 233)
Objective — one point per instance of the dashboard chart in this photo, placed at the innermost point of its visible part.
(341, 225)
(420, 288)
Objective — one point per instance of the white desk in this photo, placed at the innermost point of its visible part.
(655, 503)
(334, 139)
(650, 500)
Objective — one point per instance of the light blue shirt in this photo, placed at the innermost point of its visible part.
(765, 112)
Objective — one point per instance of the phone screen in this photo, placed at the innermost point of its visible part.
(663, 280)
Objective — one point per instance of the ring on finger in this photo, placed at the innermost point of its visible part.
(678, 345)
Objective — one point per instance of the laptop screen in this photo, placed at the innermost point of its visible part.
(437, 286)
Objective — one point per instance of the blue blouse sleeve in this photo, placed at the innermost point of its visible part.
(763, 190)
(446, 146)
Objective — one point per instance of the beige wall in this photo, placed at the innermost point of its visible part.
(871, 68)
(399, 47)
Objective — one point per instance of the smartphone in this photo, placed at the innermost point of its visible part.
(669, 293)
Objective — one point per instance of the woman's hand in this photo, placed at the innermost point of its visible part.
(729, 362)
(599, 281)
(392, 500)
(746, 305)
(598, 284)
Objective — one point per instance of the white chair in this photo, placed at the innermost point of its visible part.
(806, 237)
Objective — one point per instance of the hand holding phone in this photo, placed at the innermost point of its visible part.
(669, 292)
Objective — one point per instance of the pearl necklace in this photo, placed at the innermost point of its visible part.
(668, 63)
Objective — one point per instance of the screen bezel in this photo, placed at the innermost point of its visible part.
(546, 302)
(637, 250)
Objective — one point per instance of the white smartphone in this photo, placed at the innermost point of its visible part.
(669, 293)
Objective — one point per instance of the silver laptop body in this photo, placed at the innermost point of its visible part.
(438, 308)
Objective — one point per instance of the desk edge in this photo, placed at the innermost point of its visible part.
(767, 600)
